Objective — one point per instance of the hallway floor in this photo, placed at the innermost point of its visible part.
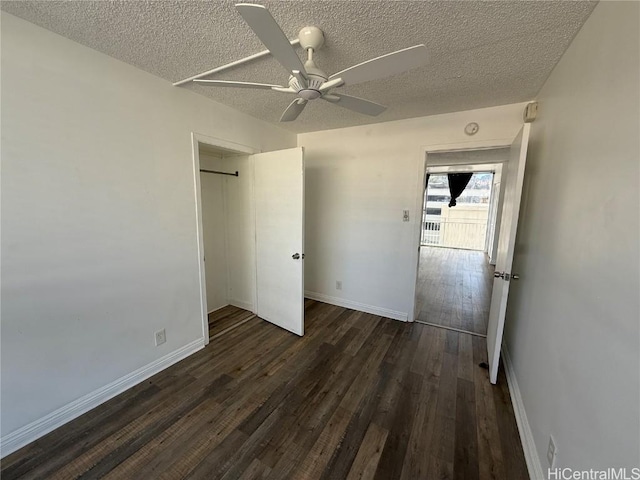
(454, 288)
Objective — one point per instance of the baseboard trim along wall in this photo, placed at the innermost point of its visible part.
(244, 305)
(361, 307)
(216, 309)
(526, 436)
(27, 434)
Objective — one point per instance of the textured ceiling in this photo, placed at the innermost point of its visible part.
(481, 53)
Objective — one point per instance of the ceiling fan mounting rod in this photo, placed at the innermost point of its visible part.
(242, 61)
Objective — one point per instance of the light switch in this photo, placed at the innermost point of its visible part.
(405, 215)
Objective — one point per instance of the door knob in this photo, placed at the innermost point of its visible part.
(295, 256)
(515, 276)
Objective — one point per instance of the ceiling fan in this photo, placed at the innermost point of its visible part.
(306, 80)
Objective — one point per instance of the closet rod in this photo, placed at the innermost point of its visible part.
(220, 173)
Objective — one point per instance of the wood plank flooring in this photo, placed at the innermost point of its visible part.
(454, 288)
(358, 397)
(225, 319)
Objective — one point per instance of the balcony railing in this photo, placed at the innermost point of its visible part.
(468, 234)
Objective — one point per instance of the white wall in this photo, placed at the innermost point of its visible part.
(214, 230)
(241, 227)
(573, 318)
(99, 246)
(358, 182)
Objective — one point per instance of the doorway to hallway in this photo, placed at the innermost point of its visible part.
(462, 202)
(504, 208)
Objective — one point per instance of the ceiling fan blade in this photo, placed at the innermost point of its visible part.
(228, 83)
(329, 84)
(356, 104)
(384, 66)
(271, 35)
(293, 110)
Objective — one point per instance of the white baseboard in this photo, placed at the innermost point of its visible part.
(361, 307)
(216, 309)
(27, 434)
(240, 304)
(526, 436)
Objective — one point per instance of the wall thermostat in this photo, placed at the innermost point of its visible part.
(530, 112)
(472, 128)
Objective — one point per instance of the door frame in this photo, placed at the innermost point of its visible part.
(421, 174)
(232, 147)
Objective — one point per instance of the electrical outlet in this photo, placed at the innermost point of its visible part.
(405, 215)
(161, 337)
(551, 451)
(338, 284)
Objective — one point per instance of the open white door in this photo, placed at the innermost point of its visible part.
(506, 246)
(279, 197)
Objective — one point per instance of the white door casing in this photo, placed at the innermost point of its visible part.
(196, 140)
(506, 245)
(279, 207)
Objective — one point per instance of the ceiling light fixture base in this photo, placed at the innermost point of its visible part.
(311, 37)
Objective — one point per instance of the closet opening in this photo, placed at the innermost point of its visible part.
(250, 231)
(227, 236)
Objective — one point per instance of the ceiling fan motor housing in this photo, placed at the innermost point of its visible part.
(309, 94)
(315, 79)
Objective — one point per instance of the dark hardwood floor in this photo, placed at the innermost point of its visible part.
(454, 288)
(225, 319)
(359, 396)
